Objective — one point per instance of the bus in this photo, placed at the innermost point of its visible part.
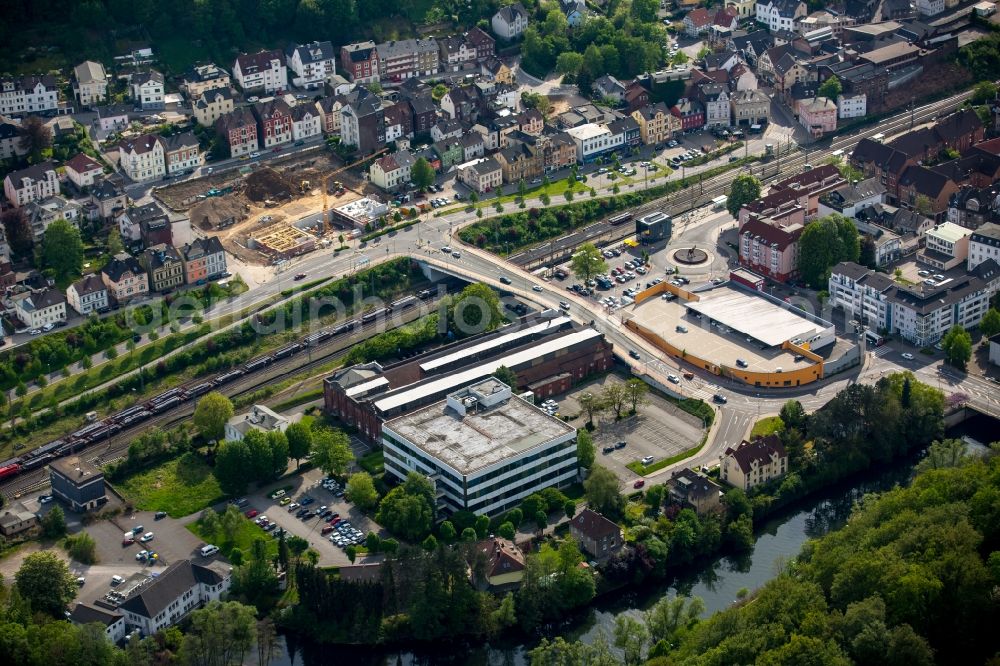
(619, 219)
(756, 129)
(880, 137)
(873, 339)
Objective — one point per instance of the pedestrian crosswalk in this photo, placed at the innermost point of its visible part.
(882, 351)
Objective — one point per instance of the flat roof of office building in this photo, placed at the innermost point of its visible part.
(550, 325)
(480, 438)
(453, 380)
(753, 316)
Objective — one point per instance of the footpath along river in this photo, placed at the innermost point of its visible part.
(717, 581)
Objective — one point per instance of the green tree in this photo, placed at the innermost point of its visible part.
(62, 251)
(331, 451)
(569, 63)
(408, 509)
(361, 490)
(585, 450)
(569, 508)
(984, 92)
(482, 526)
(299, 441)
(221, 633)
(54, 523)
(601, 490)
(422, 173)
(588, 261)
(231, 462)
(447, 531)
(211, 415)
(115, 242)
(923, 205)
(831, 89)
(507, 376)
(615, 395)
(793, 415)
(439, 91)
(278, 449)
(82, 548)
(44, 581)
(671, 616)
(635, 392)
(593, 404)
(825, 242)
(630, 637)
(957, 344)
(230, 522)
(744, 189)
(475, 310)
(507, 531)
(703, 53)
(990, 324)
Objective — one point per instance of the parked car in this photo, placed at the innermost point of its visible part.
(647, 459)
(719, 398)
(634, 354)
(639, 484)
(251, 513)
(159, 515)
(147, 537)
(621, 444)
(299, 276)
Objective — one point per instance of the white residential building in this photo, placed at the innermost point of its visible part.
(38, 309)
(753, 463)
(392, 171)
(82, 170)
(148, 90)
(984, 243)
(88, 295)
(90, 83)
(113, 118)
(311, 63)
(260, 417)
(510, 22)
(852, 106)
(484, 449)
(142, 158)
(179, 589)
(264, 71)
(113, 621)
(780, 15)
(306, 122)
(592, 140)
(28, 94)
(920, 314)
(34, 183)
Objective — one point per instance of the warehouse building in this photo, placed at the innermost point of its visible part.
(548, 352)
(484, 448)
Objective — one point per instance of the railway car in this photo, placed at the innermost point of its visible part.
(225, 378)
(127, 414)
(199, 389)
(9, 469)
(256, 364)
(133, 418)
(38, 462)
(169, 403)
(375, 314)
(44, 450)
(404, 303)
(287, 350)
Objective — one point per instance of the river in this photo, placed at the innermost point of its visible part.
(717, 581)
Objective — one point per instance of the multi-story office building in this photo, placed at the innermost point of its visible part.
(984, 243)
(946, 246)
(484, 448)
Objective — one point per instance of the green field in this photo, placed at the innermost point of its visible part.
(766, 426)
(180, 487)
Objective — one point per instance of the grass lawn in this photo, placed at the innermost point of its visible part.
(180, 487)
(245, 536)
(766, 426)
(643, 470)
(373, 463)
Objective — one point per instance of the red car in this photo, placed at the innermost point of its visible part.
(327, 529)
(300, 276)
(251, 513)
(639, 484)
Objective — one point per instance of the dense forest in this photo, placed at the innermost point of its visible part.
(911, 580)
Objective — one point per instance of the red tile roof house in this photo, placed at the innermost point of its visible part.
(82, 170)
(697, 21)
(599, 537)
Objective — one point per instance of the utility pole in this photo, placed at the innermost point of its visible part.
(911, 112)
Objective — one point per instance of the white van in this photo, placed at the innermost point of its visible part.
(209, 550)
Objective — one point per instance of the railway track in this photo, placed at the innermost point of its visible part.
(678, 203)
(115, 447)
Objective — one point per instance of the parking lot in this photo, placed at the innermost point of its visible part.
(309, 485)
(659, 430)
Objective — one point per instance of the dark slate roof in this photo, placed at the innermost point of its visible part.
(105, 188)
(179, 141)
(594, 525)
(43, 299)
(510, 13)
(360, 51)
(201, 247)
(213, 95)
(502, 556)
(239, 117)
(140, 144)
(34, 172)
(139, 78)
(760, 451)
(162, 591)
(271, 109)
(89, 285)
(121, 264)
(252, 62)
(693, 485)
(84, 614)
(312, 52)
(925, 181)
(362, 101)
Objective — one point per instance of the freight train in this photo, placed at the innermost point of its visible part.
(103, 429)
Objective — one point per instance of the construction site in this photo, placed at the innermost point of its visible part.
(252, 209)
